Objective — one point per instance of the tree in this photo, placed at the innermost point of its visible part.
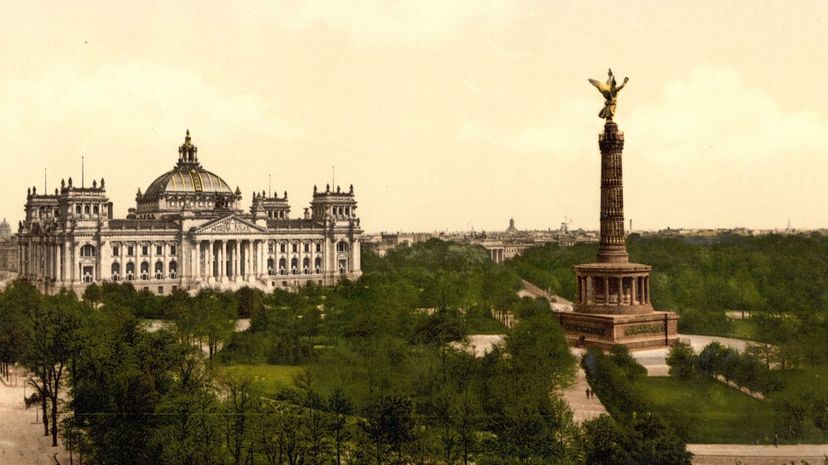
(341, 406)
(250, 301)
(217, 320)
(18, 300)
(92, 294)
(52, 341)
(389, 424)
(605, 443)
(240, 404)
(681, 360)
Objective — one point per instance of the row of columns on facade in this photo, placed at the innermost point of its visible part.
(234, 259)
(44, 259)
(594, 290)
(240, 258)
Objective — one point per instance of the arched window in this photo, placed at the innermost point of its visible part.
(270, 266)
(116, 271)
(306, 265)
(317, 264)
(282, 266)
(159, 270)
(144, 270)
(342, 246)
(130, 271)
(173, 269)
(88, 250)
(294, 265)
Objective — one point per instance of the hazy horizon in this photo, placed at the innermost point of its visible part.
(443, 115)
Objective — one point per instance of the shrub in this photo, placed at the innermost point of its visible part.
(681, 360)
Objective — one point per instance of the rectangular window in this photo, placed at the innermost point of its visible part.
(116, 250)
(307, 247)
(318, 247)
(282, 248)
(270, 247)
(174, 288)
(159, 250)
(131, 251)
(172, 250)
(295, 248)
(144, 250)
(160, 289)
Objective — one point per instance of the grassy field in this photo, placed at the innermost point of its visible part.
(270, 378)
(743, 329)
(706, 411)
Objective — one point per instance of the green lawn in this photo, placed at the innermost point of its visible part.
(743, 329)
(270, 379)
(706, 411)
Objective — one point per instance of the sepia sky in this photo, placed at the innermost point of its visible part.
(443, 114)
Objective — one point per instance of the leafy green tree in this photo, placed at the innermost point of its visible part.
(341, 406)
(681, 360)
(93, 294)
(18, 300)
(52, 342)
(389, 424)
(605, 443)
(250, 301)
(240, 405)
(217, 319)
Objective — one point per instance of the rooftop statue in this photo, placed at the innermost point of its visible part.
(610, 91)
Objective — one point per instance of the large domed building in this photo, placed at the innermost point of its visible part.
(188, 231)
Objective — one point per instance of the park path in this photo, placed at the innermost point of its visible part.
(721, 454)
(583, 409)
(21, 438)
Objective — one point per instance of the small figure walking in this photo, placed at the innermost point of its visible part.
(588, 392)
(775, 440)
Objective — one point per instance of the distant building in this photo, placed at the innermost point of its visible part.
(8, 248)
(512, 230)
(388, 241)
(188, 231)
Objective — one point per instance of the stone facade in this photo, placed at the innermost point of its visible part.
(188, 231)
(613, 302)
(8, 248)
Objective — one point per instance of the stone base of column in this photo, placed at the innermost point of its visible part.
(637, 332)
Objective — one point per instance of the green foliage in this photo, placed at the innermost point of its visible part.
(637, 435)
(700, 278)
(743, 369)
(19, 299)
(681, 360)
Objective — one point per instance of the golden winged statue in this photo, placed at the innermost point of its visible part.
(610, 91)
